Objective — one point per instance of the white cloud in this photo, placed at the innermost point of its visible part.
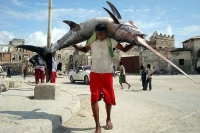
(78, 14)
(41, 4)
(144, 24)
(39, 38)
(57, 34)
(159, 13)
(57, 14)
(5, 37)
(128, 10)
(17, 2)
(169, 30)
(36, 15)
(189, 30)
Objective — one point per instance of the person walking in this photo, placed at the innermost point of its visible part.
(149, 77)
(54, 68)
(1, 69)
(24, 72)
(9, 72)
(143, 76)
(38, 62)
(122, 76)
(101, 78)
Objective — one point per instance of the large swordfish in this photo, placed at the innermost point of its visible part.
(120, 30)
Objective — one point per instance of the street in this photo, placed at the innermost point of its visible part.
(172, 106)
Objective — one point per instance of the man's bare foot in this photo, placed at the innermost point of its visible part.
(129, 86)
(98, 130)
(109, 125)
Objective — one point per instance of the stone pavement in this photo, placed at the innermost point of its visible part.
(20, 113)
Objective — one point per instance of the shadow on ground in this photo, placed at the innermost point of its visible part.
(36, 115)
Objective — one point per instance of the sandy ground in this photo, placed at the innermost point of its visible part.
(172, 106)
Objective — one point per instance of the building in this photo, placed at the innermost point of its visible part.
(17, 58)
(193, 44)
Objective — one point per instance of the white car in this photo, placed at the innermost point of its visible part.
(80, 73)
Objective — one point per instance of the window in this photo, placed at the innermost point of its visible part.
(59, 56)
(181, 61)
(20, 57)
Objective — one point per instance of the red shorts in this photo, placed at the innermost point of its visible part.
(53, 77)
(101, 86)
(39, 74)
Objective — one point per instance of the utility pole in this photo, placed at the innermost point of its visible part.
(49, 24)
(48, 72)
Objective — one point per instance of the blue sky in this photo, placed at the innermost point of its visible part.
(27, 19)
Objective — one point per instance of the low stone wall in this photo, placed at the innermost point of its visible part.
(47, 91)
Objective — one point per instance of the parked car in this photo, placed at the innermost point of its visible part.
(80, 73)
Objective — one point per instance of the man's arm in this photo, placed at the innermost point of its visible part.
(82, 49)
(124, 49)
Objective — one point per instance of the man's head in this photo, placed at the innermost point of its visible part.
(120, 63)
(148, 66)
(101, 31)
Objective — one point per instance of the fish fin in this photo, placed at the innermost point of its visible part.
(71, 24)
(40, 50)
(112, 16)
(114, 10)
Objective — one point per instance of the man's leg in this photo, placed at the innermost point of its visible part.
(108, 119)
(150, 84)
(42, 76)
(95, 110)
(53, 77)
(126, 82)
(121, 86)
(36, 80)
(146, 84)
(143, 84)
(128, 85)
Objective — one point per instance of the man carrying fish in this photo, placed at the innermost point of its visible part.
(101, 80)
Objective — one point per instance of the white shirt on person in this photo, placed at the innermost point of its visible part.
(54, 66)
(1, 69)
(122, 70)
(149, 73)
(102, 61)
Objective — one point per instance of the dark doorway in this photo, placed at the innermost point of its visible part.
(131, 64)
(59, 66)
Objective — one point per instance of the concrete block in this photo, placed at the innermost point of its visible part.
(47, 91)
(8, 83)
(3, 87)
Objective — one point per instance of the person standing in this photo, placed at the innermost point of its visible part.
(122, 76)
(54, 67)
(149, 77)
(143, 76)
(24, 72)
(1, 69)
(38, 62)
(9, 72)
(101, 78)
